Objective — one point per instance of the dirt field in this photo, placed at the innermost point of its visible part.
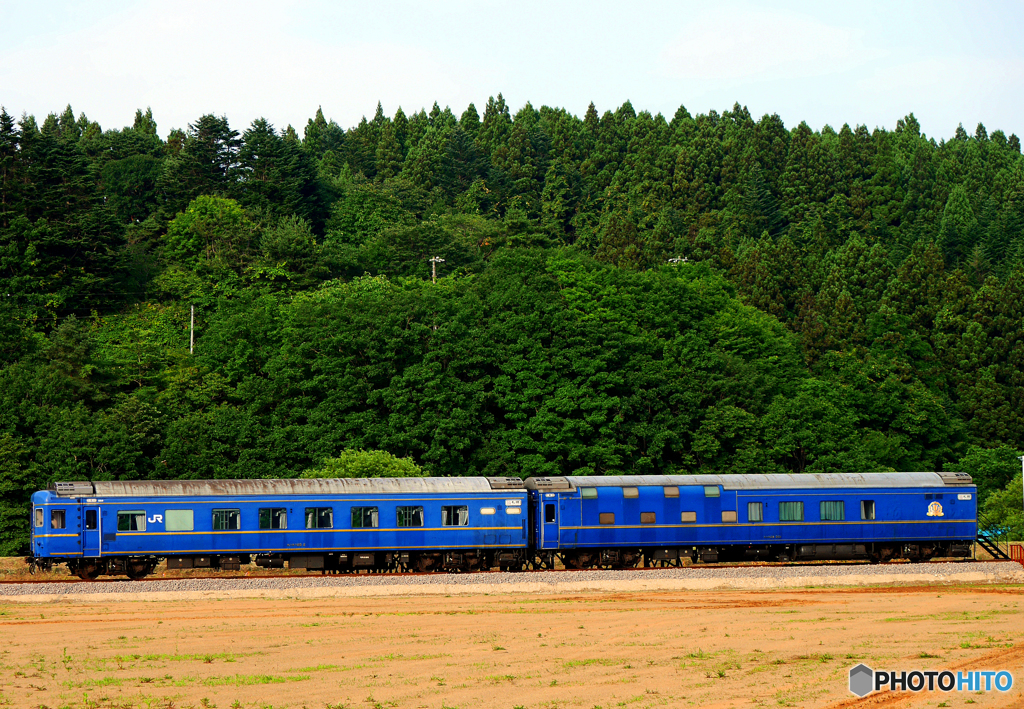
(666, 649)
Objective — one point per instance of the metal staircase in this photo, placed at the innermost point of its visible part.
(993, 539)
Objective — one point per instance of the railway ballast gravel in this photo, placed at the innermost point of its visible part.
(765, 577)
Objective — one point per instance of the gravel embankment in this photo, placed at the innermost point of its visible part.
(691, 578)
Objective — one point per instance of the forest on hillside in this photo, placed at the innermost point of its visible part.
(621, 293)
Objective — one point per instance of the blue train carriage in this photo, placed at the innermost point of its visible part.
(380, 524)
(591, 522)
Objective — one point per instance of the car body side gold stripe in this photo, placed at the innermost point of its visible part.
(326, 530)
(748, 525)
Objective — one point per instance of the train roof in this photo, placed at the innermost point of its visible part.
(355, 486)
(758, 482)
(290, 486)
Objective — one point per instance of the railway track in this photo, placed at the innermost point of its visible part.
(408, 574)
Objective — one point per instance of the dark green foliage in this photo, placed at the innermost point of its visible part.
(845, 300)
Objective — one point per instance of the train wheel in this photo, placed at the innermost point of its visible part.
(87, 571)
(138, 569)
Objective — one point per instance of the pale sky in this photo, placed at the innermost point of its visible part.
(855, 62)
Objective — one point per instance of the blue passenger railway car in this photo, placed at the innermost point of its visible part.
(472, 524)
(381, 524)
(615, 521)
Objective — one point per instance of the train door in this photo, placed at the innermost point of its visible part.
(570, 514)
(549, 514)
(91, 531)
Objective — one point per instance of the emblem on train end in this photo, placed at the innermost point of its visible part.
(935, 509)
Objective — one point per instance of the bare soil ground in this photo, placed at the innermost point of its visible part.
(649, 649)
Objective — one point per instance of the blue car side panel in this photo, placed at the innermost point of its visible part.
(899, 515)
(498, 530)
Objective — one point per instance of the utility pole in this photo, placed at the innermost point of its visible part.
(192, 331)
(1021, 458)
(434, 260)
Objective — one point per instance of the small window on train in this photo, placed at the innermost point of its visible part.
(630, 492)
(688, 517)
(867, 509)
(323, 517)
(91, 519)
(833, 511)
(648, 518)
(39, 516)
(56, 519)
(513, 510)
(549, 514)
(728, 515)
(486, 510)
(365, 517)
(273, 518)
(791, 511)
(671, 491)
(227, 520)
(412, 516)
(607, 518)
(454, 515)
(179, 520)
(131, 521)
(588, 493)
(712, 491)
(755, 511)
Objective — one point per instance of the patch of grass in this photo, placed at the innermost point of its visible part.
(569, 664)
(249, 680)
(206, 658)
(100, 682)
(498, 679)
(317, 668)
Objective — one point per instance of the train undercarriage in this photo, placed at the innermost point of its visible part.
(469, 561)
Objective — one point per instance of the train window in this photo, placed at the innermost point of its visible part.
(588, 493)
(179, 520)
(454, 515)
(648, 518)
(791, 512)
(131, 521)
(273, 518)
(728, 515)
(513, 510)
(362, 518)
(486, 510)
(833, 511)
(630, 492)
(226, 520)
(755, 512)
(712, 491)
(39, 516)
(56, 519)
(549, 514)
(672, 491)
(91, 519)
(320, 517)
(688, 517)
(413, 516)
(867, 509)
(607, 518)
